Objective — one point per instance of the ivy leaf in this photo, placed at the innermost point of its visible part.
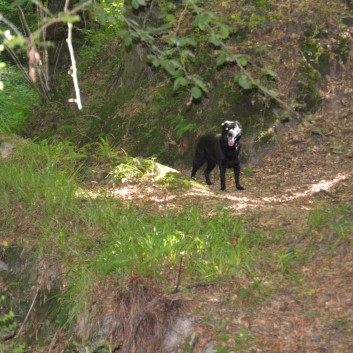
(244, 82)
(154, 60)
(210, 15)
(100, 14)
(127, 39)
(175, 41)
(137, 3)
(170, 18)
(201, 21)
(187, 54)
(202, 26)
(175, 64)
(189, 41)
(215, 40)
(196, 92)
(221, 59)
(241, 60)
(125, 36)
(237, 77)
(171, 6)
(224, 31)
(269, 73)
(199, 83)
(180, 81)
(171, 66)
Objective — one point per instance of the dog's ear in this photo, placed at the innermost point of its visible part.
(225, 125)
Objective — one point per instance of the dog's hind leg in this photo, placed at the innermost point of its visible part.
(222, 170)
(198, 162)
(208, 170)
(237, 176)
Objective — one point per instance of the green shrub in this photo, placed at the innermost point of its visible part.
(16, 101)
(8, 329)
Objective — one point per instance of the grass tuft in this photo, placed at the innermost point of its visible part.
(94, 240)
(332, 226)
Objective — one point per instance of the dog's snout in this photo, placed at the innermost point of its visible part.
(233, 134)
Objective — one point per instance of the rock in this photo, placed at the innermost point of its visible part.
(3, 266)
(177, 333)
(209, 347)
(190, 343)
(5, 149)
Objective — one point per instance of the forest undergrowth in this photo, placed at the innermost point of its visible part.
(294, 292)
(107, 250)
(267, 269)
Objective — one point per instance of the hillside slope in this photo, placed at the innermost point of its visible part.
(290, 48)
(92, 262)
(308, 172)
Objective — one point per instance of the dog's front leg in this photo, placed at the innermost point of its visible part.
(222, 170)
(237, 176)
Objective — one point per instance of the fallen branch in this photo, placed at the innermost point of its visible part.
(176, 289)
(29, 311)
(52, 343)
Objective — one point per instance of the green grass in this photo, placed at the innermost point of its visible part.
(332, 227)
(97, 238)
(16, 101)
(100, 238)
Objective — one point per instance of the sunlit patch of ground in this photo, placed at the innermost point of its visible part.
(163, 199)
(303, 168)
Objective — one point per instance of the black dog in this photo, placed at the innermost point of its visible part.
(222, 150)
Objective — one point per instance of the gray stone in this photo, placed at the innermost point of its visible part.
(177, 333)
(3, 266)
(5, 149)
(190, 342)
(209, 347)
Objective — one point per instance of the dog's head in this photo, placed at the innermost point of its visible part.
(231, 132)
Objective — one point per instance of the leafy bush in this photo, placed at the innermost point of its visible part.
(16, 101)
(7, 329)
(131, 169)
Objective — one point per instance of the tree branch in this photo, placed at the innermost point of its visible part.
(11, 25)
(73, 61)
(72, 12)
(181, 17)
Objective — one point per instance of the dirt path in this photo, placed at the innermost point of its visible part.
(310, 167)
(311, 163)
